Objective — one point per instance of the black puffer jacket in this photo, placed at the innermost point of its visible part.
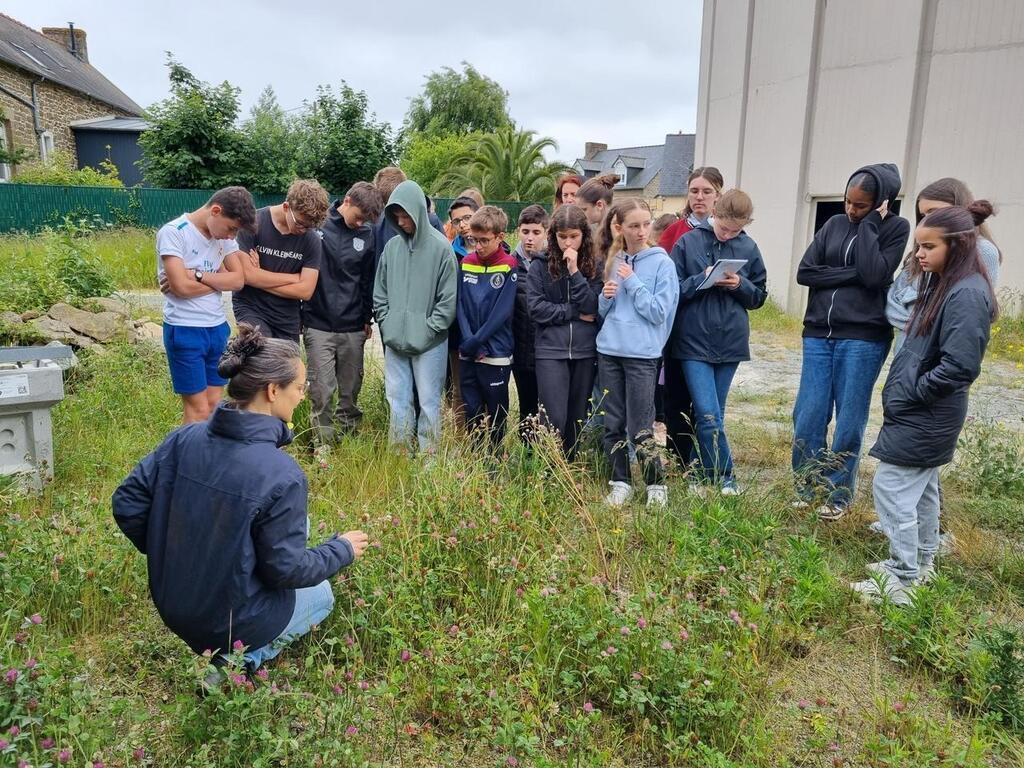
(924, 401)
(522, 325)
(555, 308)
(849, 267)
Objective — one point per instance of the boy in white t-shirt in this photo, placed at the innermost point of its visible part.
(198, 258)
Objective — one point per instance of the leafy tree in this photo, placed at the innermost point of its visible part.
(193, 141)
(506, 165)
(270, 140)
(425, 158)
(458, 102)
(341, 141)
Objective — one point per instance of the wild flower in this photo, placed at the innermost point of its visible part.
(238, 645)
(11, 676)
(363, 685)
(139, 754)
(666, 646)
(735, 616)
(351, 731)
(899, 706)
(337, 690)
(64, 756)
(588, 707)
(641, 623)
(46, 743)
(803, 704)
(4, 744)
(684, 635)
(14, 731)
(405, 656)
(35, 618)
(31, 664)
(262, 673)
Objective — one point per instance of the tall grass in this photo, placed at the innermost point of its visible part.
(503, 616)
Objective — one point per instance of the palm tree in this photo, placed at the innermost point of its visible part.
(506, 165)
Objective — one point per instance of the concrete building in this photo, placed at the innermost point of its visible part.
(47, 85)
(796, 94)
(656, 172)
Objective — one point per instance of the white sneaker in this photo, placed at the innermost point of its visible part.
(657, 495)
(881, 586)
(947, 541)
(619, 494)
(800, 504)
(830, 513)
(730, 489)
(876, 527)
(925, 571)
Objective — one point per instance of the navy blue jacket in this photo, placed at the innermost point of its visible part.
(712, 325)
(487, 298)
(343, 299)
(220, 513)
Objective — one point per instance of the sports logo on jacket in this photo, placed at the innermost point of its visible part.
(358, 243)
(498, 280)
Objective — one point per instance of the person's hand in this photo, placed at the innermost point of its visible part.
(368, 330)
(883, 209)
(624, 270)
(730, 282)
(609, 289)
(587, 318)
(254, 259)
(359, 541)
(165, 284)
(571, 260)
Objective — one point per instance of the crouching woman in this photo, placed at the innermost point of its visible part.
(220, 513)
(924, 400)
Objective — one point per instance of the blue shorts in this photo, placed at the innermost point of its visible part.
(193, 355)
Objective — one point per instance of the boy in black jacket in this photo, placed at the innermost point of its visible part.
(848, 267)
(533, 242)
(336, 319)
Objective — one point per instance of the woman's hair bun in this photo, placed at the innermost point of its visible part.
(980, 210)
(608, 180)
(248, 342)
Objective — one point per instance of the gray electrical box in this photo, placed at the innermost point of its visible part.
(30, 383)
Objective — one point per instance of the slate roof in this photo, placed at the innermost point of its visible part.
(27, 49)
(673, 160)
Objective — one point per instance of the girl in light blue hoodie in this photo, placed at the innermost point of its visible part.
(638, 305)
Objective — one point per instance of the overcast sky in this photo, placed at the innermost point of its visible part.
(602, 70)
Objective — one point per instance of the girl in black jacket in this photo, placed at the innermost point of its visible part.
(848, 267)
(562, 290)
(711, 333)
(220, 513)
(925, 395)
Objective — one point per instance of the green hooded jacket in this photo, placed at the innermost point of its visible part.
(415, 290)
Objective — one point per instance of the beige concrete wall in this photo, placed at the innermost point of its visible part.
(795, 94)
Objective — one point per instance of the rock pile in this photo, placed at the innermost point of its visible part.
(104, 320)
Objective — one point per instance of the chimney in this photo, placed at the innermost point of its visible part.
(73, 40)
(591, 148)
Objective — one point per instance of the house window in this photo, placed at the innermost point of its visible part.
(5, 168)
(46, 146)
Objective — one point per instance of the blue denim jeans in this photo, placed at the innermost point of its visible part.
(427, 370)
(709, 387)
(312, 606)
(838, 375)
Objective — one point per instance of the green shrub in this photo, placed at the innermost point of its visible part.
(60, 171)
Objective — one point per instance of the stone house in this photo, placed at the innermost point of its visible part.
(656, 173)
(46, 86)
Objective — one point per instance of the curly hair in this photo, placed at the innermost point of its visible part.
(565, 218)
(307, 198)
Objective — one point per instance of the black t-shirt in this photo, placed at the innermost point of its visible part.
(289, 254)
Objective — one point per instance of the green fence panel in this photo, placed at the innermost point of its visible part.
(31, 207)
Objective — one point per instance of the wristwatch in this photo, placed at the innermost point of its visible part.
(199, 276)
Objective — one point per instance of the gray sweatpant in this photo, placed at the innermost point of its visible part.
(334, 362)
(907, 502)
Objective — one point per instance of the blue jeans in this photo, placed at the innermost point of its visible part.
(427, 370)
(709, 387)
(312, 606)
(837, 375)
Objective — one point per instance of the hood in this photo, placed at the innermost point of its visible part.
(887, 178)
(520, 254)
(649, 251)
(409, 197)
(245, 426)
(459, 246)
(709, 226)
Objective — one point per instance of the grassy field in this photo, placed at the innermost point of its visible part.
(505, 617)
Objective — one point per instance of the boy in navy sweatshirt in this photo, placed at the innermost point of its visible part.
(487, 296)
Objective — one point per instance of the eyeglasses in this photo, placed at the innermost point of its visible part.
(462, 220)
(484, 241)
(302, 226)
